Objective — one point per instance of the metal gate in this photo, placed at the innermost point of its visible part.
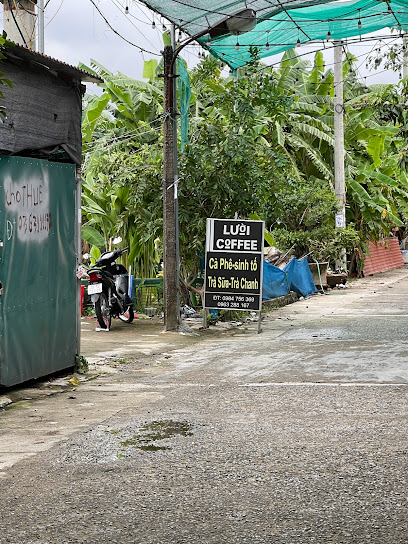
(37, 268)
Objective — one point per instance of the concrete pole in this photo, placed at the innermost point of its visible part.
(40, 26)
(170, 258)
(339, 176)
(19, 21)
(405, 56)
(176, 205)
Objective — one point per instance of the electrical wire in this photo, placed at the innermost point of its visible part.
(129, 134)
(129, 14)
(30, 36)
(261, 18)
(55, 14)
(140, 32)
(124, 137)
(15, 22)
(299, 55)
(119, 34)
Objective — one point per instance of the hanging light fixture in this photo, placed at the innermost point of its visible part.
(237, 23)
(237, 45)
(267, 40)
(153, 24)
(329, 35)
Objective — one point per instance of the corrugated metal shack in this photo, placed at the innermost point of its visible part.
(40, 151)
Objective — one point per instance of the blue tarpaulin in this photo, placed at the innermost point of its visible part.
(274, 282)
(300, 278)
(296, 276)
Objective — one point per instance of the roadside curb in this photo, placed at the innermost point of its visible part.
(279, 302)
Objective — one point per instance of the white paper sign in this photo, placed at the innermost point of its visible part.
(340, 221)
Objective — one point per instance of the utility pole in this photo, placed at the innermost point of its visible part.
(40, 26)
(242, 21)
(19, 20)
(339, 176)
(170, 256)
(175, 146)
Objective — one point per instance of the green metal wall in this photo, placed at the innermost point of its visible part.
(37, 268)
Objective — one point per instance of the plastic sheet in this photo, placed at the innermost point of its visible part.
(300, 277)
(275, 282)
(296, 276)
(281, 23)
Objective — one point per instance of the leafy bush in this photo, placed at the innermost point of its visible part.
(305, 222)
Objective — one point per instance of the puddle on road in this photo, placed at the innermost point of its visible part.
(150, 433)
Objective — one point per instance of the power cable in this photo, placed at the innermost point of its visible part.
(119, 34)
(140, 32)
(264, 18)
(15, 22)
(30, 36)
(55, 14)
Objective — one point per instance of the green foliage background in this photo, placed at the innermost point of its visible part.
(259, 142)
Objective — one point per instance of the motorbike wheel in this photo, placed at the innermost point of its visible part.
(102, 312)
(127, 317)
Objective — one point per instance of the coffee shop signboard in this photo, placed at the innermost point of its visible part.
(233, 265)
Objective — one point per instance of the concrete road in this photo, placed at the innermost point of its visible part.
(294, 436)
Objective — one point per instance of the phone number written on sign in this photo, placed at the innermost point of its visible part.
(232, 301)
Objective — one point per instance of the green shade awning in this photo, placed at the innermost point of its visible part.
(281, 24)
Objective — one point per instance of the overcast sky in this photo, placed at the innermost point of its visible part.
(75, 32)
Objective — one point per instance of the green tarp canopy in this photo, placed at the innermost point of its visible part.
(281, 24)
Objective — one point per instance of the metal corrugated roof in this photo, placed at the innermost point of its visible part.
(61, 68)
(383, 256)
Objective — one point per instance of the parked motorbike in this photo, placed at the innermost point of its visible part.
(108, 288)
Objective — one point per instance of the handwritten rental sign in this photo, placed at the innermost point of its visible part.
(28, 199)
